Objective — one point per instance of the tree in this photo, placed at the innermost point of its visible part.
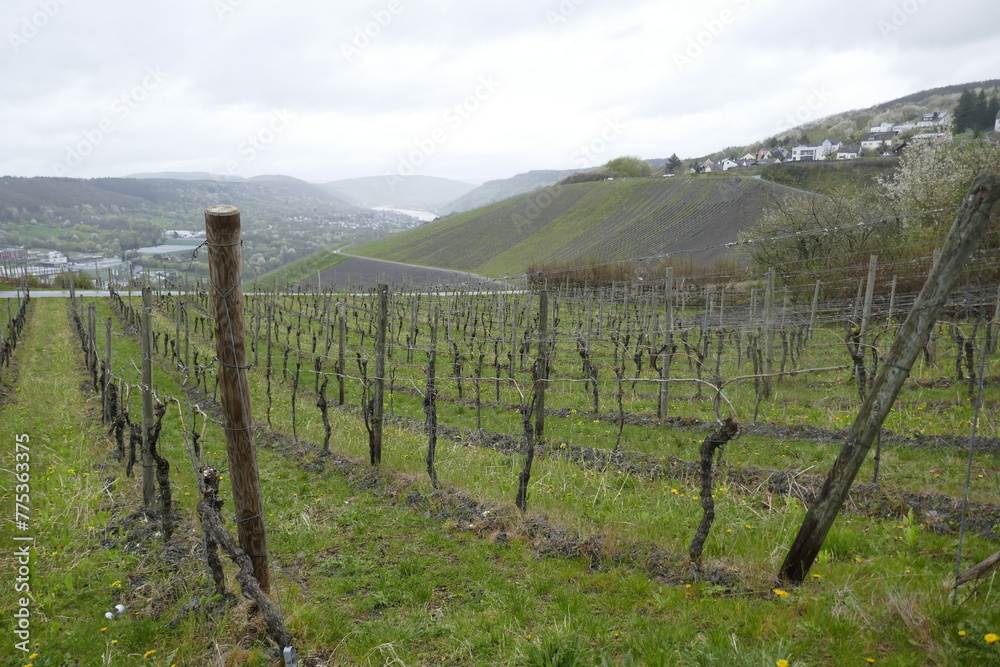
(629, 166)
(964, 113)
(800, 234)
(934, 176)
(674, 163)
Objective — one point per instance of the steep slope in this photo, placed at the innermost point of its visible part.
(494, 191)
(421, 193)
(586, 222)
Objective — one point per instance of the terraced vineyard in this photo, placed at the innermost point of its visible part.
(602, 221)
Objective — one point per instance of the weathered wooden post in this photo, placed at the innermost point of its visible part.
(222, 225)
(968, 229)
(146, 341)
(378, 384)
(769, 334)
(666, 355)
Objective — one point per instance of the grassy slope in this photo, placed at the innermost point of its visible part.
(585, 222)
(828, 176)
(298, 271)
(602, 221)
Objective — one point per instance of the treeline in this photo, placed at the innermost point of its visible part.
(976, 112)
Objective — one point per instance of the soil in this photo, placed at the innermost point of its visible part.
(365, 273)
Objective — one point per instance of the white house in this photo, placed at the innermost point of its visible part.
(871, 141)
(935, 119)
(846, 152)
(725, 164)
(807, 152)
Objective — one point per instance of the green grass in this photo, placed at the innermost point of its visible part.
(602, 221)
(297, 271)
(364, 579)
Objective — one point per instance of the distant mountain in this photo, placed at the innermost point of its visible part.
(187, 176)
(587, 223)
(281, 196)
(492, 192)
(420, 193)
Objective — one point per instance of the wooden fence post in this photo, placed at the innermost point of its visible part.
(146, 341)
(968, 229)
(378, 386)
(222, 225)
(769, 334)
(666, 356)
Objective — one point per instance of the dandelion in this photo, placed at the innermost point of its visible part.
(961, 633)
(781, 663)
(780, 593)
(104, 629)
(149, 653)
(816, 576)
(116, 584)
(991, 638)
(858, 559)
(870, 661)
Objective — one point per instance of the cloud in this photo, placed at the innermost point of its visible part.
(566, 68)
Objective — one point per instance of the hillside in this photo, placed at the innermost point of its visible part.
(497, 190)
(586, 222)
(849, 126)
(420, 193)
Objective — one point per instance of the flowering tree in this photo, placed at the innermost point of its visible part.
(936, 175)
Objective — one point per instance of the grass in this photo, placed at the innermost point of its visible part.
(297, 271)
(607, 221)
(368, 575)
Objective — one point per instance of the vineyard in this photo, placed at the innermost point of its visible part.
(568, 476)
(615, 221)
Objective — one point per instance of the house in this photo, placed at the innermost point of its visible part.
(13, 254)
(762, 155)
(930, 136)
(886, 126)
(725, 164)
(750, 156)
(935, 119)
(707, 165)
(871, 141)
(52, 258)
(846, 152)
(809, 152)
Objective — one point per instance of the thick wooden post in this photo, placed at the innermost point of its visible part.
(378, 386)
(869, 297)
(222, 225)
(341, 354)
(666, 356)
(430, 401)
(769, 334)
(146, 342)
(968, 229)
(542, 374)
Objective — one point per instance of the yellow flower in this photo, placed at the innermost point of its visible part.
(781, 663)
(991, 638)
(780, 593)
(961, 633)
(104, 629)
(149, 653)
(816, 576)
(871, 661)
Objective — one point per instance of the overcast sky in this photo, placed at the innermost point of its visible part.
(465, 90)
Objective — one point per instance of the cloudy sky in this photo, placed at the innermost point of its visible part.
(465, 90)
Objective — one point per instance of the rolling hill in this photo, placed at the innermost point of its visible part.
(497, 190)
(586, 222)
